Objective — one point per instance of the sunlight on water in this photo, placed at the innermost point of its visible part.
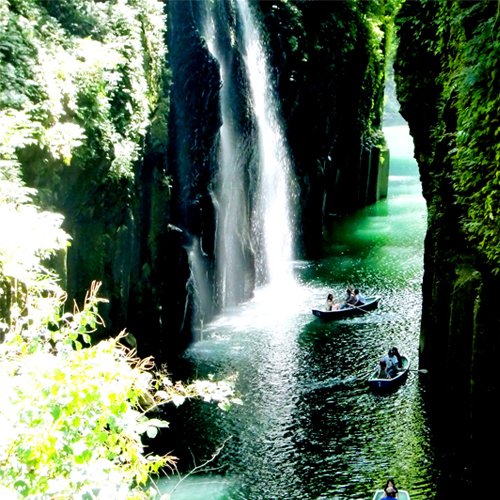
(309, 427)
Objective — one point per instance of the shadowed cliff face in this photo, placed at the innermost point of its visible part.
(458, 344)
(330, 75)
(194, 122)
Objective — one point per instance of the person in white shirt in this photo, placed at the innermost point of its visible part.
(360, 300)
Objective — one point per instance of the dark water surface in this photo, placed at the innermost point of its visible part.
(309, 427)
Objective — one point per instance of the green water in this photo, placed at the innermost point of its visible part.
(309, 427)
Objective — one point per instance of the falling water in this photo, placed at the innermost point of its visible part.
(271, 217)
(254, 240)
(231, 203)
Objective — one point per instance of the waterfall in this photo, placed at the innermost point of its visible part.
(252, 186)
(271, 218)
(231, 269)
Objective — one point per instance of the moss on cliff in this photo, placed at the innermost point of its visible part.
(446, 74)
(329, 60)
(81, 84)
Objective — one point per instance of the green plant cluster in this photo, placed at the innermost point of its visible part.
(71, 417)
(82, 87)
(447, 74)
(69, 427)
(477, 159)
(86, 76)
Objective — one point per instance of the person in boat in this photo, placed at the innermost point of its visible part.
(395, 354)
(392, 363)
(390, 492)
(390, 484)
(330, 304)
(358, 298)
(349, 301)
(382, 369)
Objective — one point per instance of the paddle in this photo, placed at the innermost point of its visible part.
(364, 375)
(357, 307)
(422, 370)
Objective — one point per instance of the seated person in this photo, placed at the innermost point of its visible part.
(349, 301)
(382, 369)
(392, 363)
(390, 484)
(330, 304)
(359, 299)
(390, 492)
(395, 353)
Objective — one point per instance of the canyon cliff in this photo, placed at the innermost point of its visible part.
(446, 79)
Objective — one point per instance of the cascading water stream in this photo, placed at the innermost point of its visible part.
(252, 187)
(272, 214)
(231, 205)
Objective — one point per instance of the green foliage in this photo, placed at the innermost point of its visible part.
(71, 418)
(88, 74)
(476, 174)
(449, 88)
(80, 83)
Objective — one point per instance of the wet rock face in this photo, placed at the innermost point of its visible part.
(194, 122)
(457, 344)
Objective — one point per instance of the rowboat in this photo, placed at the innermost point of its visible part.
(370, 305)
(387, 383)
(402, 495)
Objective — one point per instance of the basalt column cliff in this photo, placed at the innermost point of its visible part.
(447, 82)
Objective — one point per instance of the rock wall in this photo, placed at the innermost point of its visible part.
(438, 71)
(329, 60)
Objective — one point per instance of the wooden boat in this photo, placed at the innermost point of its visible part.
(402, 495)
(387, 383)
(371, 304)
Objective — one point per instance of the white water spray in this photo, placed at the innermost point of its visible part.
(261, 239)
(272, 213)
(230, 195)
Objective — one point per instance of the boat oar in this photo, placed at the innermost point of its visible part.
(421, 370)
(357, 307)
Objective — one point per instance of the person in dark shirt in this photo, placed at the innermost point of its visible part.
(349, 301)
(389, 493)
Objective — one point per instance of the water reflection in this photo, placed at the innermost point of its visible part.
(309, 427)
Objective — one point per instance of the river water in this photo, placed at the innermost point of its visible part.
(309, 427)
